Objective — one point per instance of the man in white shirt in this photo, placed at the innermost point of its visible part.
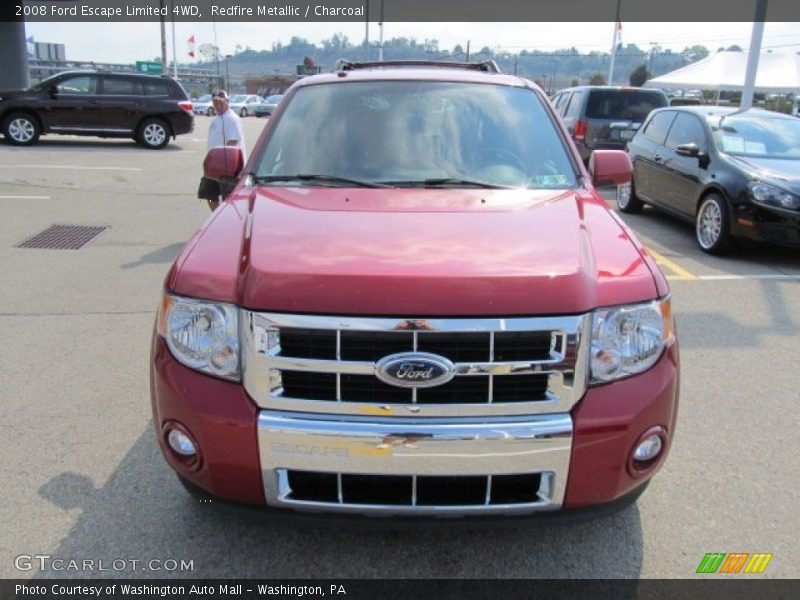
(225, 130)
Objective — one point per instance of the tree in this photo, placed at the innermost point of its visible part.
(734, 48)
(575, 81)
(639, 75)
(597, 79)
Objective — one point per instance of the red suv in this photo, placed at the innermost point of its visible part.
(414, 303)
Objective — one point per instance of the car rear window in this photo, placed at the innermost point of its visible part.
(633, 105)
(156, 88)
(403, 133)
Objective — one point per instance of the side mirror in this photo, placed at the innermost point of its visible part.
(610, 166)
(223, 162)
(690, 149)
(53, 91)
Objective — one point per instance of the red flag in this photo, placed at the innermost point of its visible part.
(190, 41)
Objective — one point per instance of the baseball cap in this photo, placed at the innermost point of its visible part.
(220, 94)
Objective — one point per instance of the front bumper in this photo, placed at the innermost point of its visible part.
(247, 453)
(762, 224)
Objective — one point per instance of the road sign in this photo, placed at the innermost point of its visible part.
(149, 67)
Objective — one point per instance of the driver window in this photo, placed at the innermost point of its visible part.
(686, 130)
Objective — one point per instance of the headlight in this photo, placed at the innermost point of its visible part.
(764, 193)
(202, 335)
(627, 340)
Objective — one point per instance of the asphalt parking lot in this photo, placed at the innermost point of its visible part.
(83, 478)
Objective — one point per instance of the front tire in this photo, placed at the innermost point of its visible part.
(243, 113)
(210, 112)
(712, 226)
(21, 129)
(153, 134)
(627, 201)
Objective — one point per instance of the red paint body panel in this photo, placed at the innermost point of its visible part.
(607, 423)
(415, 252)
(221, 418)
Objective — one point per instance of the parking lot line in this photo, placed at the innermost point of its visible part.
(70, 167)
(751, 277)
(678, 273)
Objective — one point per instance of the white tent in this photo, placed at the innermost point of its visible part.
(777, 73)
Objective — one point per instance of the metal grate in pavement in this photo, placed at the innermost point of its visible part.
(64, 237)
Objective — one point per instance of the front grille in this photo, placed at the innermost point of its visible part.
(523, 365)
(413, 490)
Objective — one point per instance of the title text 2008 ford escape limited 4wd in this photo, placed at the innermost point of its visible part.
(414, 303)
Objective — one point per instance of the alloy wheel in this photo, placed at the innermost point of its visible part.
(709, 224)
(154, 134)
(21, 130)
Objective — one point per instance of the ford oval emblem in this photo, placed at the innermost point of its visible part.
(415, 370)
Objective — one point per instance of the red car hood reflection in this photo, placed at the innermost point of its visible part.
(414, 252)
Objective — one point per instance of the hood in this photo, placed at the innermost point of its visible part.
(5, 94)
(414, 252)
(780, 171)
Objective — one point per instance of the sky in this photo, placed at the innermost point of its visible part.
(128, 42)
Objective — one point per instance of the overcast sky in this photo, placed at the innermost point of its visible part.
(128, 42)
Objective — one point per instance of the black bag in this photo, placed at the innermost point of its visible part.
(208, 189)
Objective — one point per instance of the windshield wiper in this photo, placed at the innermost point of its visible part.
(319, 178)
(448, 181)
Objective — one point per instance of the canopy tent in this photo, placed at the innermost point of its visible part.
(777, 73)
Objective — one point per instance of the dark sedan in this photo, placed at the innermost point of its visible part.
(732, 173)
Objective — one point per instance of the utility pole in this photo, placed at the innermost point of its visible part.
(380, 47)
(366, 37)
(467, 60)
(614, 45)
(174, 51)
(164, 65)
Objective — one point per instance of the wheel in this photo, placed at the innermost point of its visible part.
(712, 228)
(21, 129)
(243, 113)
(153, 134)
(210, 112)
(627, 201)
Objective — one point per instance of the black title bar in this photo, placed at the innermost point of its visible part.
(393, 10)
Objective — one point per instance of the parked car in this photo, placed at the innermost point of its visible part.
(605, 117)
(414, 303)
(732, 173)
(204, 106)
(269, 104)
(244, 104)
(149, 109)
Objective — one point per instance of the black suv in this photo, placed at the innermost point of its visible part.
(147, 108)
(605, 117)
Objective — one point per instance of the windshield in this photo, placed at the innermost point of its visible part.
(632, 105)
(273, 99)
(413, 133)
(206, 98)
(239, 98)
(758, 136)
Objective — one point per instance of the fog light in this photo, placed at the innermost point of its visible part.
(181, 443)
(647, 452)
(648, 449)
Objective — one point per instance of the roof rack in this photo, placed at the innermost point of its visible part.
(488, 66)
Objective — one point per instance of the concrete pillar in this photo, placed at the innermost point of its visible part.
(13, 56)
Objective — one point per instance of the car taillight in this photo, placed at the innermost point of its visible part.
(187, 106)
(580, 130)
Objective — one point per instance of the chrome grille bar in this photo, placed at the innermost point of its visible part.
(565, 366)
